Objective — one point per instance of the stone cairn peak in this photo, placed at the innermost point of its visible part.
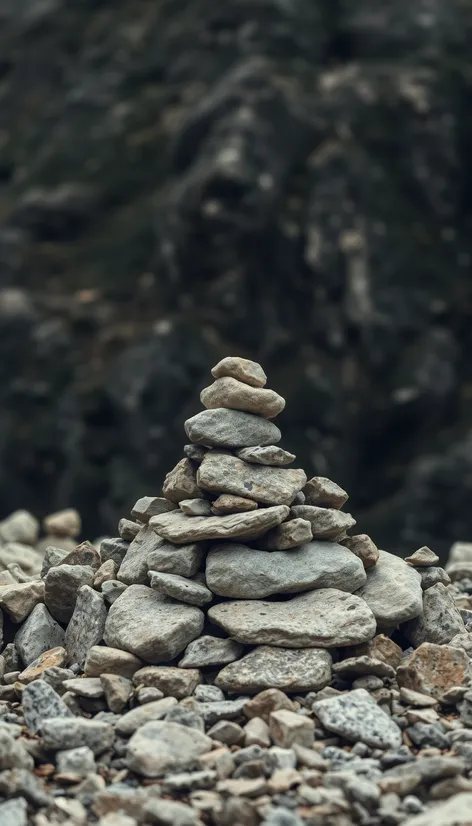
(234, 642)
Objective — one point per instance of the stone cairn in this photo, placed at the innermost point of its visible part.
(228, 659)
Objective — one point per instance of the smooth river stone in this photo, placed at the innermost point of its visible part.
(243, 573)
(151, 626)
(319, 619)
(250, 372)
(269, 455)
(324, 493)
(393, 591)
(181, 529)
(231, 428)
(234, 394)
(326, 523)
(222, 473)
(302, 669)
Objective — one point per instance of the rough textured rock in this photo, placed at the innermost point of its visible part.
(289, 670)
(19, 600)
(357, 717)
(324, 493)
(227, 503)
(180, 529)
(222, 473)
(326, 523)
(210, 651)
(440, 620)
(61, 587)
(268, 455)
(231, 428)
(180, 588)
(290, 534)
(434, 669)
(244, 573)
(158, 748)
(86, 626)
(236, 395)
(105, 660)
(184, 560)
(134, 567)
(392, 591)
(364, 548)
(151, 626)
(181, 483)
(70, 733)
(40, 703)
(325, 618)
(39, 633)
(173, 682)
(422, 558)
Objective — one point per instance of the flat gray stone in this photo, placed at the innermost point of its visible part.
(40, 702)
(60, 733)
(39, 633)
(301, 669)
(440, 620)
(160, 748)
(326, 523)
(112, 589)
(210, 651)
(290, 534)
(326, 618)
(392, 591)
(172, 681)
(229, 392)
(134, 568)
(357, 717)
(182, 529)
(86, 625)
(88, 687)
(324, 493)
(180, 588)
(268, 455)
(61, 587)
(250, 372)
(231, 428)
(223, 473)
(181, 560)
(153, 627)
(241, 572)
(149, 506)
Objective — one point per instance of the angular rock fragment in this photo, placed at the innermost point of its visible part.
(19, 600)
(61, 733)
(61, 587)
(241, 572)
(39, 633)
(86, 625)
(357, 717)
(422, 558)
(173, 682)
(434, 669)
(364, 548)
(326, 618)
(83, 554)
(180, 588)
(102, 659)
(210, 651)
(250, 372)
(128, 529)
(324, 493)
(153, 627)
(431, 576)
(231, 428)
(195, 507)
(392, 591)
(134, 568)
(326, 523)
(353, 667)
(302, 669)
(234, 394)
(290, 534)
(40, 702)
(115, 549)
(440, 620)
(181, 482)
(149, 506)
(181, 529)
(181, 560)
(268, 455)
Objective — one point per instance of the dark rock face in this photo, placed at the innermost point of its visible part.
(287, 181)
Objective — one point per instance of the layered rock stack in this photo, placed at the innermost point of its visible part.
(234, 643)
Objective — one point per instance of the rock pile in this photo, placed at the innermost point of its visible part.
(234, 656)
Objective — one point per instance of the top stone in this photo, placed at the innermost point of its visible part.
(249, 372)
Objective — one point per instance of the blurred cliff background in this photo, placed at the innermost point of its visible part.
(288, 180)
